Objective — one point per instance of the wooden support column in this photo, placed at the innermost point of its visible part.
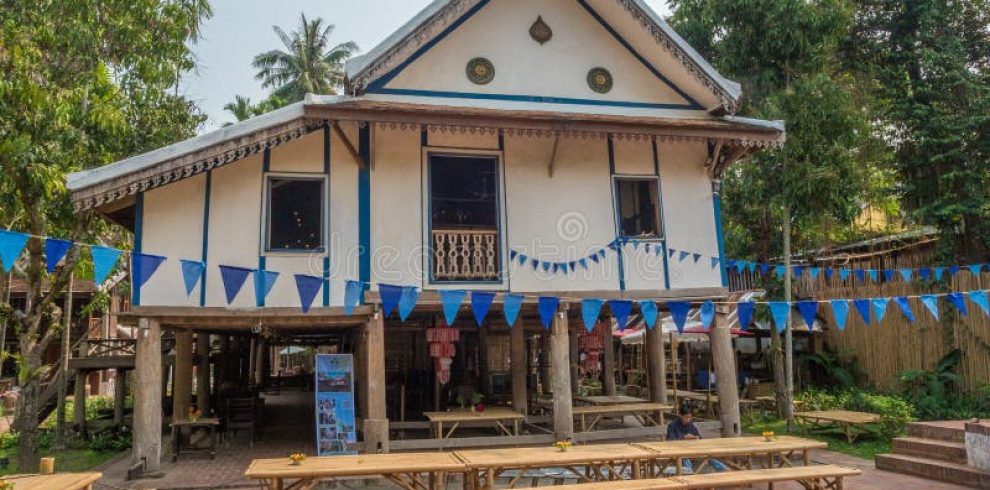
(563, 417)
(203, 373)
(723, 358)
(79, 402)
(608, 361)
(575, 356)
(375, 417)
(656, 365)
(119, 396)
(259, 362)
(484, 364)
(182, 391)
(546, 374)
(674, 361)
(147, 389)
(518, 367)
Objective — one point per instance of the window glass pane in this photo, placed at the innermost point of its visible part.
(639, 207)
(295, 214)
(464, 193)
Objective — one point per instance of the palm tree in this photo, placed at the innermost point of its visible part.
(241, 108)
(307, 65)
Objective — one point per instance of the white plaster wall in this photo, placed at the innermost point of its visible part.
(173, 227)
(396, 208)
(343, 214)
(559, 68)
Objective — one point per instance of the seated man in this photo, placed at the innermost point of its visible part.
(683, 428)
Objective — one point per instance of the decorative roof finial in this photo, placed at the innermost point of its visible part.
(540, 31)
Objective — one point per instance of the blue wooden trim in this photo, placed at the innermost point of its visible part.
(424, 138)
(717, 201)
(267, 161)
(138, 238)
(663, 220)
(620, 247)
(326, 211)
(693, 103)
(388, 77)
(538, 99)
(259, 297)
(364, 205)
(326, 281)
(206, 235)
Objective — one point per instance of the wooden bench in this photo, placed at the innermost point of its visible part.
(648, 413)
(818, 477)
(57, 481)
(409, 471)
(852, 423)
(505, 420)
(737, 453)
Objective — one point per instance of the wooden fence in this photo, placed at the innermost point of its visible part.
(896, 344)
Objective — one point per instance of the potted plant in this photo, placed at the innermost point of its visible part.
(476, 405)
(296, 459)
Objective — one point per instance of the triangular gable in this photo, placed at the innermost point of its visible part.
(650, 65)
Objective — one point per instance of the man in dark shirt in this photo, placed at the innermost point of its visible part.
(682, 427)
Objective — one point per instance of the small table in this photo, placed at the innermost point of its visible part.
(497, 416)
(58, 481)
(210, 424)
(851, 423)
(648, 413)
(737, 453)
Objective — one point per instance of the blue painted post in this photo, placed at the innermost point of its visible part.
(719, 233)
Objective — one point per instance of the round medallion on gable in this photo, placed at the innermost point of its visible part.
(480, 71)
(600, 80)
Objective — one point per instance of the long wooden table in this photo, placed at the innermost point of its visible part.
(817, 477)
(498, 417)
(609, 399)
(648, 413)
(739, 453)
(587, 462)
(57, 481)
(851, 423)
(410, 471)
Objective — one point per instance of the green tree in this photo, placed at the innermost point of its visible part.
(307, 65)
(86, 82)
(240, 108)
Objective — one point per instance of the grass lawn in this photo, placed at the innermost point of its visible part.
(866, 446)
(68, 460)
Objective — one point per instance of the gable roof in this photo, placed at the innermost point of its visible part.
(441, 14)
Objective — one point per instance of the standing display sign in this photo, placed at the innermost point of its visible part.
(335, 431)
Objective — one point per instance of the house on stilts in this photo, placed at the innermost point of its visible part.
(558, 148)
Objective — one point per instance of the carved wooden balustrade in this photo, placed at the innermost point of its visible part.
(466, 255)
(111, 347)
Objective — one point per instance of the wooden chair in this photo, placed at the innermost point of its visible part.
(241, 414)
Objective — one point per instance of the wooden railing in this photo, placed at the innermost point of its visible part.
(465, 255)
(111, 348)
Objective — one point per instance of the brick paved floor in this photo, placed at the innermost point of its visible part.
(289, 428)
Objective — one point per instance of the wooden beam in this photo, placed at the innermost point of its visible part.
(348, 144)
(182, 395)
(723, 358)
(553, 154)
(563, 417)
(119, 396)
(147, 424)
(656, 364)
(518, 365)
(608, 361)
(376, 420)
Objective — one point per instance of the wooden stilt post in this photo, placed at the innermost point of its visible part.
(518, 367)
(182, 394)
(675, 362)
(79, 402)
(575, 356)
(563, 417)
(656, 365)
(376, 418)
(259, 362)
(147, 444)
(203, 373)
(484, 371)
(119, 396)
(725, 377)
(546, 374)
(608, 362)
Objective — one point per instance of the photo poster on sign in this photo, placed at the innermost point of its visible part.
(335, 431)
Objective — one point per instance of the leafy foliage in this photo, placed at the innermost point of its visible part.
(895, 412)
(935, 394)
(835, 369)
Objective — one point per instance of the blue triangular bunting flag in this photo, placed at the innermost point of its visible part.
(513, 254)
(939, 272)
(353, 296)
(953, 269)
(649, 310)
(840, 310)
(678, 312)
(764, 268)
(714, 262)
(975, 269)
(522, 259)
(814, 271)
(591, 308)
(980, 299)
(798, 270)
(55, 249)
(744, 311)
(780, 311)
(682, 256)
(779, 271)
(707, 314)
(620, 310)
(843, 274)
(233, 279)
(924, 273)
(879, 308)
(390, 295)
(828, 273)
(11, 245)
(104, 258)
(808, 310)
(407, 301)
(263, 283)
(192, 272)
(696, 257)
(873, 275)
(451, 300)
(905, 306)
(307, 287)
(863, 308)
(511, 304)
(481, 302)
(906, 274)
(957, 300)
(930, 301)
(548, 307)
(143, 266)
(583, 263)
(740, 266)
(888, 275)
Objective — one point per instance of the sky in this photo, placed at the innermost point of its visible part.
(240, 29)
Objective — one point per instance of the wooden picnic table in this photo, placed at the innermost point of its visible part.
(597, 462)
(410, 471)
(811, 477)
(609, 399)
(851, 423)
(190, 426)
(739, 453)
(495, 416)
(57, 481)
(648, 413)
